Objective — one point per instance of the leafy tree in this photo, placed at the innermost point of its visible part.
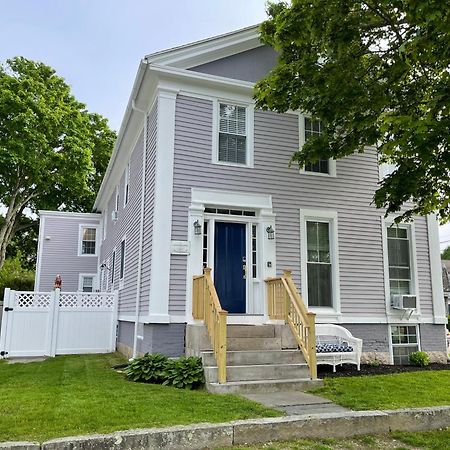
(53, 152)
(446, 253)
(376, 73)
(13, 275)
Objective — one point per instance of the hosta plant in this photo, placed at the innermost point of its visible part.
(147, 369)
(184, 373)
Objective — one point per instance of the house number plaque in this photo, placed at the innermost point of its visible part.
(179, 248)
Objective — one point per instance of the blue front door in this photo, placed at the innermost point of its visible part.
(229, 260)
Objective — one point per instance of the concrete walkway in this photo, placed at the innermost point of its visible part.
(295, 403)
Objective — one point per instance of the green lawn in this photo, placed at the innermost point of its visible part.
(72, 395)
(431, 440)
(402, 390)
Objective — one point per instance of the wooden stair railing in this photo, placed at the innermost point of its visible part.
(206, 306)
(285, 303)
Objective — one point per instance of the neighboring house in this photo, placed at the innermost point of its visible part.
(199, 177)
(446, 282)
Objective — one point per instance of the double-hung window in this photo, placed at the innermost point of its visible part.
(399, 258)
(122, 260)
(404, 340)
(319, 263)
(86, 283)
(88, 245)
(311, 128)
(126, 193)
(234, 134)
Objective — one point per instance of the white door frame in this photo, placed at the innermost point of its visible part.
(262, 205)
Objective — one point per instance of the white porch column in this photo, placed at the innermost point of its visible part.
(162, 225)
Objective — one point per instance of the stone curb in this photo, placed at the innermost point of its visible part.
(200, 436)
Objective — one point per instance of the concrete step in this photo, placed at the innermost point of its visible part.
(259, 372)
(248, 331)
(244, 387)
(250, 357)
(253, 343)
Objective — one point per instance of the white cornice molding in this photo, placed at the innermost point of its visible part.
(208, 50)
(70, 215)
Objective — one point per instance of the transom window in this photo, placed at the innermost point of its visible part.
(232, 212)
(319, 264)
(232, 134)
(404, 342)
(399, 258)
(314, 128)
(88, 241)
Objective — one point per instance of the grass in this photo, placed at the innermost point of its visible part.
(430, 440)
(394, 391)
(72, 395)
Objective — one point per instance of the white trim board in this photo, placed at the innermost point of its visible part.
(70, 215)
(208, 50)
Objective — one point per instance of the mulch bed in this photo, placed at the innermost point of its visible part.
(350, 370)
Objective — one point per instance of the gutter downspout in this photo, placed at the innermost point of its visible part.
(141, 229)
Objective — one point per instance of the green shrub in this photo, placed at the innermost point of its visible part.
(184, 373)
(147, 369)
(14, 276)
(420, 359)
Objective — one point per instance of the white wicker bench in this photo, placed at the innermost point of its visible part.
(336, 345)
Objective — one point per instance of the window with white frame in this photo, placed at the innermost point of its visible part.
(310, 128)
(233, 140)
(122, 259)
(105, 223)
(117, 198)
(113, 267)
(399, 259)
(126, 192)
(404, 340)
(87, 283)
(88, 241)
(319, 263)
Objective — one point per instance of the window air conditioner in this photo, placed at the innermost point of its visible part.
(114, 216)
(402, 301)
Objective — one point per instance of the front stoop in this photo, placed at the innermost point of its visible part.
(260, 358)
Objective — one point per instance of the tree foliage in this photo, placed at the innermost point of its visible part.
(446, 253)
(53, 152)
(13, 275)
(377, 73)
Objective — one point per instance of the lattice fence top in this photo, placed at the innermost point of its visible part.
(86, 300)
(32, 300)
(78, 300)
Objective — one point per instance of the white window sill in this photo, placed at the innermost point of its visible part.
(325, 315)
(230, 164)
(317, 174)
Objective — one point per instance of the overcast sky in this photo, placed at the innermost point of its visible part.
(96, 45)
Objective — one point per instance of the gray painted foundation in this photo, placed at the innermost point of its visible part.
(167, 339)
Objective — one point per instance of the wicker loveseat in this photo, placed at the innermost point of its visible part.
(336, 345)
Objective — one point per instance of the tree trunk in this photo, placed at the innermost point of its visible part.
(14, 211)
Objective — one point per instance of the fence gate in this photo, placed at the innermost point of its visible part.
(56, 323)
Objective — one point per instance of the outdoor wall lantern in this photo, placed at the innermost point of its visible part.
(270, 233)
(197, 228)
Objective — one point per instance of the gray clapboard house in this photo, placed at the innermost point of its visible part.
(200, 178)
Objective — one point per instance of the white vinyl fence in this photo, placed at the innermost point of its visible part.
(57, 323)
